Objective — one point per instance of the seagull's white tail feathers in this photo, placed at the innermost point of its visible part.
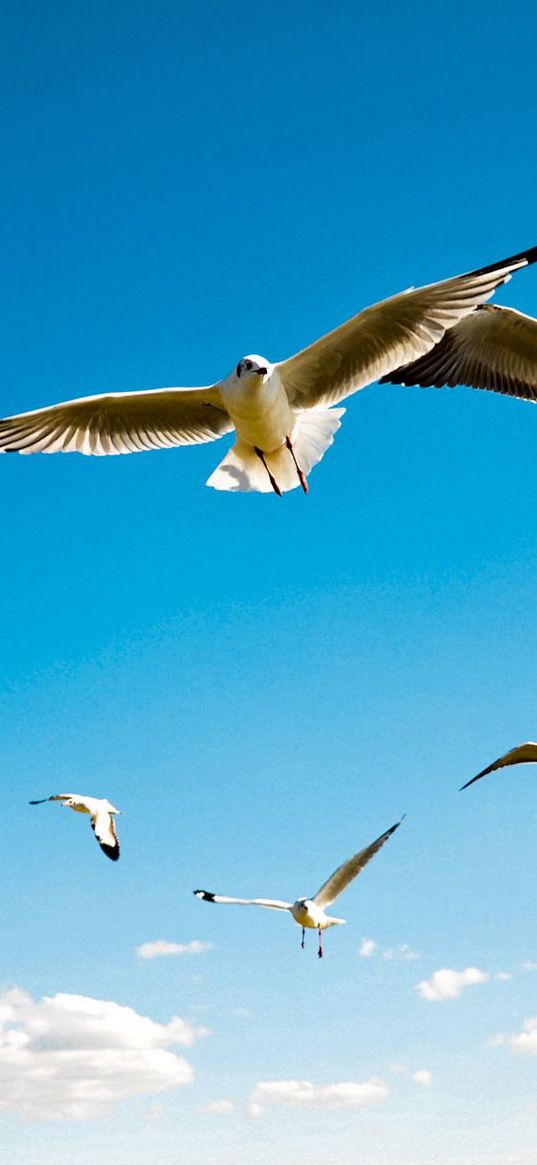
(312, 436)
(242, 470)
(334, 922)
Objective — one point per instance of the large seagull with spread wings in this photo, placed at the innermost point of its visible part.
(281, 414)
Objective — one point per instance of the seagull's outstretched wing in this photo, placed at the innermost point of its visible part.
(345, 873)
(494, 348)
(389, 335)
(57, 797)
(271, 903)
(103, 827)
(522, 754)
(119, 422)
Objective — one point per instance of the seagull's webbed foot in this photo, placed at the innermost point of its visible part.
(272, 479)
(301, 474)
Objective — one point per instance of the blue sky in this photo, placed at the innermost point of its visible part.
(265, 686)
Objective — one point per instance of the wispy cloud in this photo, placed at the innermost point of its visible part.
(370, 947)
(220, 1107)
(448, 984)
(162, 949)
(524, 1042)
(403, 951)
(72, 1057)
(304, 1094)
(423, 1077)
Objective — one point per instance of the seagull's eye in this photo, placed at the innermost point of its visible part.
(248, 365)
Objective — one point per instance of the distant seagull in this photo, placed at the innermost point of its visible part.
(521, 755)
(309, 912)
(280, 413)
(101, 814)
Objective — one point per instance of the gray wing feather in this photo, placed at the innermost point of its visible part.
(127, 422)
(494, 348)
(389, 335)
(345, 873)
(521, 754)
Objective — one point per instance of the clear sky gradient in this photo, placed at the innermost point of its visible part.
(263, 686)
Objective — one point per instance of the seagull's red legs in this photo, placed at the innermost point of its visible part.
(303, 937)
(272, 479)
(320, 951)
(301, 474)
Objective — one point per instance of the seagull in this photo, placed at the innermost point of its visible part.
(281, 413)
(521, 755)
(101, 815)
(309, 912)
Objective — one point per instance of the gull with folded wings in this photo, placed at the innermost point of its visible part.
(101, 814)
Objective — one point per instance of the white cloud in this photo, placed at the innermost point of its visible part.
(422, 1077)
(220, 1107)
(403, 951)
(369, 947)
(160, 948)
(304, 1094)
(529, 966)
(525, 1043)
(503, 976)
(448, 984)
(72, 1057)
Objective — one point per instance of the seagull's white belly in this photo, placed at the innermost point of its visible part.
(261, 414)
(308, 914)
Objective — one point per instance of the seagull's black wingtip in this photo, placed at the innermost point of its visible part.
(528, 257)
(207, 897)
(111, 851)
(471, 781)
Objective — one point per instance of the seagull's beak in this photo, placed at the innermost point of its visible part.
(261, 371)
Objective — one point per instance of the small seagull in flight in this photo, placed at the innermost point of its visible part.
(281, 413)
(101, 814)
(309, 912)
(521, 755)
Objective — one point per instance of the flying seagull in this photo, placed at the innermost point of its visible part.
(281, 413)
(309, 912)
(521, 755)
(101, 816)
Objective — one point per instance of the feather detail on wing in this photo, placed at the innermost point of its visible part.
(126, 422)
(104, 829)
(389, 335)
(345, 873)
(522, 754)
(493, 348)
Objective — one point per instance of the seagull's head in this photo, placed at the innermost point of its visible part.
(253, 368)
